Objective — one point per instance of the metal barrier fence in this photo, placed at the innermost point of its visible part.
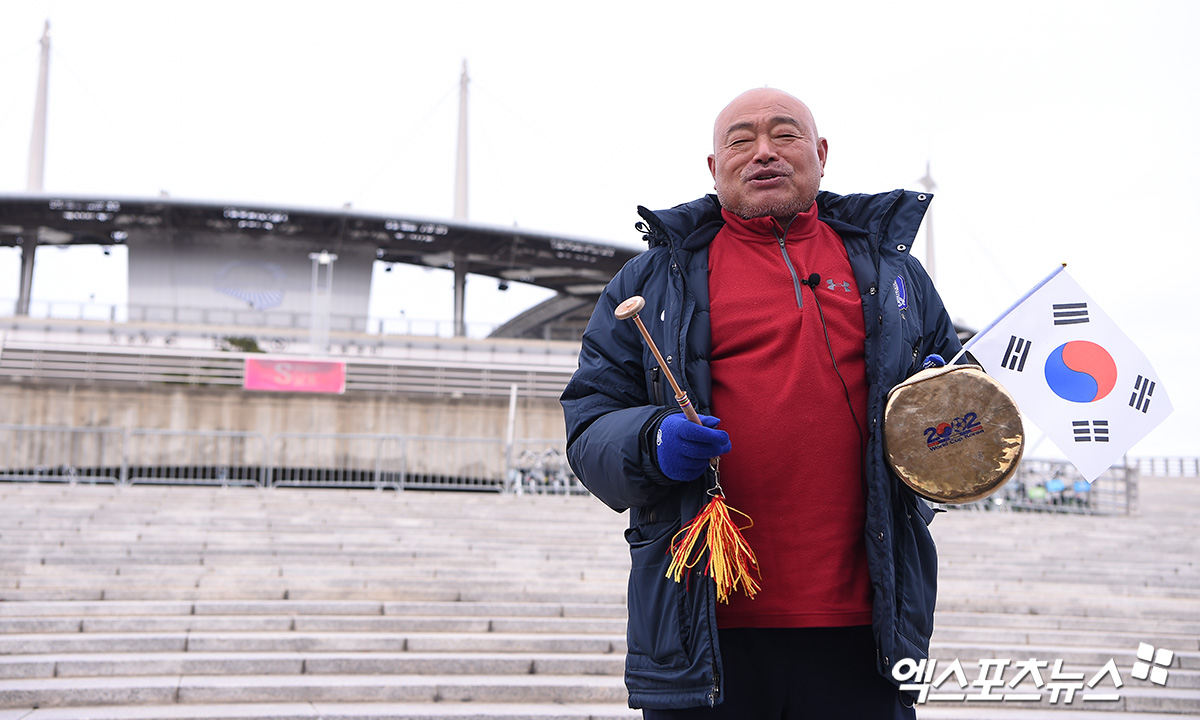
(542, 470)
(111, 455)
(62, 454)
(193, 457)
(1168, 466)
(1056, 486)
(345, 461)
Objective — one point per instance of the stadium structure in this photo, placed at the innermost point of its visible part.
(238, 359)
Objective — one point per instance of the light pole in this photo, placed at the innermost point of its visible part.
(321, 302)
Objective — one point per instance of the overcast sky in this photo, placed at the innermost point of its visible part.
(1056, 131)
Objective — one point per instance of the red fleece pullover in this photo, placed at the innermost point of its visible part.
(796, 464)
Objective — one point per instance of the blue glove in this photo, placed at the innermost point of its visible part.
(684, 448)
(933, 361)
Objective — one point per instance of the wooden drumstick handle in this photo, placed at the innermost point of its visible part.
(629, 310)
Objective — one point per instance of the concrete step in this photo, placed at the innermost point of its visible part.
(337, 711)
(313, 623)
(1007, 636)
(950, 618)
(447, 592)
(287, 596)
(44, 576)
(1091, 657)
(440, 690)
(1153, 701)
(52, 643)
(111, 664)
(74, 691)
(274, 585)
(1098, 607)
(296, 608)
(1077, 710)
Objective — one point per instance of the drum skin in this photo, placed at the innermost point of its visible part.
(952, 434)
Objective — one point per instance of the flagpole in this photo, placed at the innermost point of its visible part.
(1005, 314)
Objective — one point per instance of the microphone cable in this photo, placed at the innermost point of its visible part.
(812, 281)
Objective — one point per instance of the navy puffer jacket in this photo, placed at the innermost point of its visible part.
(615, 399)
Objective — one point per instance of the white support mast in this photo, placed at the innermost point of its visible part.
(460, 207)
(37, 169)
(929, 185)
(37, 141)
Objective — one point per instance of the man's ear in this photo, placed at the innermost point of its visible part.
(822, 153)
(712, 166)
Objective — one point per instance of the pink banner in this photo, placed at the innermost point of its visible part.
(313, 376)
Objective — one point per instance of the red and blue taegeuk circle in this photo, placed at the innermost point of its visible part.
(1081, 371)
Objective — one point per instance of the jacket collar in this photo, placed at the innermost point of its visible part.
(679, 227)
(769, 230)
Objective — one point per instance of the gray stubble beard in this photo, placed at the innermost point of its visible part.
(786, 209)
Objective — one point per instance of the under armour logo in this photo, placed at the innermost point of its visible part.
(834, 285)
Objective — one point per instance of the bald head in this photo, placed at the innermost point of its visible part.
(761, 98)
(767, 157)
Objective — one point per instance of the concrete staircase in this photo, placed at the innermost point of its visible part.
(184, 602)
(1084, 590)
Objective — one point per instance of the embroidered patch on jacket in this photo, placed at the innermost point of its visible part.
(901, 292)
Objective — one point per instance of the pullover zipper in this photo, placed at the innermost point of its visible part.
(792, 270)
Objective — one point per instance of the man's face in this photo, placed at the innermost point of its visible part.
(767, 160)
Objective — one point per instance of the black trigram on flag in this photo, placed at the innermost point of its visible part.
(1142, 390)
(1016, 354)
(1090, 431)
(1070, 313)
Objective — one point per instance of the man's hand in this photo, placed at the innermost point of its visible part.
(684, 448)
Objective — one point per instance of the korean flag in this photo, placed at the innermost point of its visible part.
(1073, 373)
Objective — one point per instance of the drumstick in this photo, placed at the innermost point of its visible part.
(629, 310)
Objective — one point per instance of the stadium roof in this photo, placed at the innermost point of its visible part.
(568, 265)
(575, 268)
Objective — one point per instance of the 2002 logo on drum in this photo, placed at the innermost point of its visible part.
(957, 430)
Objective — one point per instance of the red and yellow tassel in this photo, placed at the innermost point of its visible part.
(730, 558)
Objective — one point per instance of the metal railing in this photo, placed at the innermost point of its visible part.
(543, 471)
(439, 371)
(327, 460)
(125, 313)
(345, 460)
(62, 454)
(193, 457)
(1056, 486)
(397, 462)
(1168, 466)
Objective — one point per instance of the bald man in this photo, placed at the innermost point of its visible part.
(787, 313)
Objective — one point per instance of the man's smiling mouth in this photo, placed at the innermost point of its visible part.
(765, 179)
(766, 176)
